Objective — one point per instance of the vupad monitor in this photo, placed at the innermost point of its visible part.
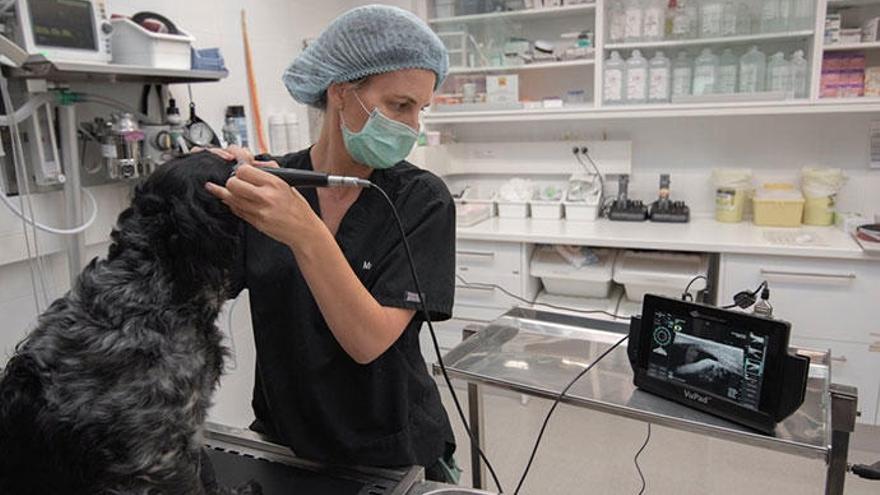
(731, 364)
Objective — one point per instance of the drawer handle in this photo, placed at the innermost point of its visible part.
(476, 287)
(479, 254)
(809, 277)
(841, 359)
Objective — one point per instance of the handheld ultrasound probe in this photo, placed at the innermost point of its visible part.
(310, 178)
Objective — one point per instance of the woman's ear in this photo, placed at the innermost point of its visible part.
(336, 96)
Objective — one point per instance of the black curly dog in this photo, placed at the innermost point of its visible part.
(107, 395)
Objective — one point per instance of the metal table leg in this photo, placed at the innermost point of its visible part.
(475, 419)
(844, 400)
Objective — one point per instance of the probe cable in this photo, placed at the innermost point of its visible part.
(427, 317)
(556, 403)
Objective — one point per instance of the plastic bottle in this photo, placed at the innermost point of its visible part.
(613, 80)
(743, 18)
(728, 66)
(802, 12)
(729, 18)
(634, 20)
(235, 128)
(711, 13)
(676, 21)
(799, 74)
(785, 10)
(682, 75)
(659, 79)
(705, 73)
(751, 71)
(636, 78)
(616, 22)
(653, 28)
(291, 129)
(692, 15)
(277, 135)
(775, 15)
(778, 74)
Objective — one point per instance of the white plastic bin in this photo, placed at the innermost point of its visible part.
(661, 273)
(134, 45)
(513, 209)
(581, 211)
(562, 278)
(546, 209)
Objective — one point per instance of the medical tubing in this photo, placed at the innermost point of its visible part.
(427, 316)
(17, 148)
(110, 102)
(556, 403)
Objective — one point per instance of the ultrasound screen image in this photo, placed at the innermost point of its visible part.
(708, 356)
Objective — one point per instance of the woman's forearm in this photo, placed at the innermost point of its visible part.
(364, 328)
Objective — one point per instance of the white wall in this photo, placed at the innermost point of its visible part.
(276, 30)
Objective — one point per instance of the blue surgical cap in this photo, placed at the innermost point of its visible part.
(364, 41)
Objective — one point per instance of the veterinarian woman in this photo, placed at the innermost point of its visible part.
(340, 376)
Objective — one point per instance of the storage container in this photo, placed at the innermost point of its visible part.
(469, 214)
(661, 273)
(547, 203)
(562, 278)
(778, 205)
(513, 209)
(731, 188)
(581, 211)
(134, 45)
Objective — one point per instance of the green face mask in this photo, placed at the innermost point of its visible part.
(382, 143)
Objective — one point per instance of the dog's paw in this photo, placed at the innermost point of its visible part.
(249, 488)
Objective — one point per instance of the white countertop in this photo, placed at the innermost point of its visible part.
(700, 235)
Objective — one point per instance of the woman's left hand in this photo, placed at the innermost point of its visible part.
(269, 204)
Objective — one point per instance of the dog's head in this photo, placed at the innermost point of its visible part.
(192, 234)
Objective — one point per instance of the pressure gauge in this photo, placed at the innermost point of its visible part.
(200, 133)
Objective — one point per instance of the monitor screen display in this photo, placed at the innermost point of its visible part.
(63, 24)
(708, 356)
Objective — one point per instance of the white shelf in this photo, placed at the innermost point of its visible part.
(852, 46)
(851, 3)
(521, 68)
(727, 40)
(548, 12)
(851, 105)
(701, 234)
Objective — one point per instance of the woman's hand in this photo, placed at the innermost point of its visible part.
(237, 153)
(269, 204)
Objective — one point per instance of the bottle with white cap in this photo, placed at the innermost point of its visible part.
(636, 78)
(277, 135)
(291, 128)
(799, 74)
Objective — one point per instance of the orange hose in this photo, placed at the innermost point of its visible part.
(252, 87)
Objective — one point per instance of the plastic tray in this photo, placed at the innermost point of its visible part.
(661, 273)
(562, 278)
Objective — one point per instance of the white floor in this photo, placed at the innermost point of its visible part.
(590, 452)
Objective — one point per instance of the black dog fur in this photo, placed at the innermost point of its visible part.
(108, 393)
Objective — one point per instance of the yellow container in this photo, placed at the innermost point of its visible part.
(778, 205)
(729, 204)
(732, 188)
(819, 210)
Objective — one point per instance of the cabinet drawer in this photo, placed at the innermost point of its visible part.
(823, 299)
(480, 293)
(483, 256)
(857, 365)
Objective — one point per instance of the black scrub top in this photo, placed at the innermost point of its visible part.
(308, 392)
